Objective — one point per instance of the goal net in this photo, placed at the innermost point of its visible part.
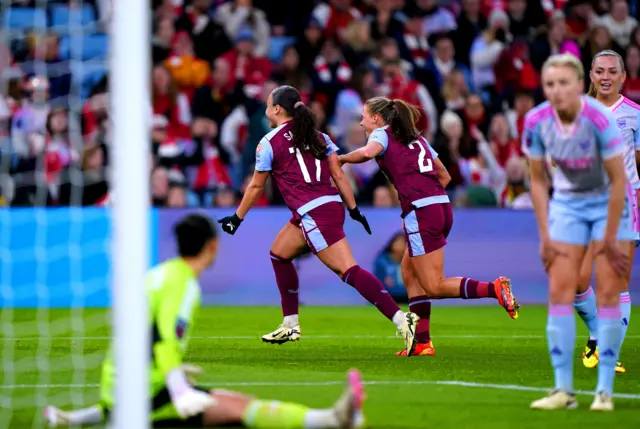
(62, 244)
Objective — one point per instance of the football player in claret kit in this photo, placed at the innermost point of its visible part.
(607, 77)
(589, 207)
(303, 161)
(174, 299)
(413, 167)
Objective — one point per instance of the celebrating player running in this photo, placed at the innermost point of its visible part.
(413, 167)
(607, 76)
(588, 206)
(303, 161)
(174, 299)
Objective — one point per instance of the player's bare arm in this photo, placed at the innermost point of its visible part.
(540, 195)
(341, 181)
(253, 192)
(443, 175)
(364, 154)
(344, 188)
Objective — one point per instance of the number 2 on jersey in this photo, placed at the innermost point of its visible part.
(303, 166)
(424, 168)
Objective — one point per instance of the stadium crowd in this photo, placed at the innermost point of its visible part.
(471, 66)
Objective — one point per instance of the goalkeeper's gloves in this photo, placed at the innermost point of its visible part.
(191, 372)
(359, 217)
(187, 400)
(230, 224)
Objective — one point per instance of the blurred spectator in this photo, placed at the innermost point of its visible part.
(580, 18)
(515, 194)
(383, 197)
(414, 44)
(504, 146)
(550, 42)
(470, 24)
(514, 73)
(475, 114)
(213, 100)
(387, 267)
(435, 19)
(176, 197)
(385, 21)
(31, 117)
(331, 72)
(350, 101)
(245, 64)
(159, 186)
(402, 87)
(455, 90)
(225, 197)
(240, 15)
(523, 102)
(43, 59)
(90, 186)
(209, 37)
(289, 72)
(162, 40)
(618, 22)
(442, 63)
(168, 101)
(631, 87)
(524, 18)
(309, 44)
(189, 72)
(334, 18)
(358, 45)
(485, 50)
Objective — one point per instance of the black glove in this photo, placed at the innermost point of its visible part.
(359, 217)
(230, 224)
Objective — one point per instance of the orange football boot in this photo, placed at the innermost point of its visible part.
(502, 286)
(422, 349)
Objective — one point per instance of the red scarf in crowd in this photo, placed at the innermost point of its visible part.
(343, 74)
(418, 47)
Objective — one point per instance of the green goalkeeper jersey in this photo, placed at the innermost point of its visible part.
(174, 298)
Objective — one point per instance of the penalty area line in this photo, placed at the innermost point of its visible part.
(455, 383)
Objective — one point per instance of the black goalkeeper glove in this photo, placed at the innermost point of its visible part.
(230, 224)
(359, 217)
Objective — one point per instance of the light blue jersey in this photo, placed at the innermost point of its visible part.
(578, 209)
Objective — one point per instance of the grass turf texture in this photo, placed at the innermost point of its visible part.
(478, 345)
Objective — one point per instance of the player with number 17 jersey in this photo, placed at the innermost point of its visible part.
(303, 181)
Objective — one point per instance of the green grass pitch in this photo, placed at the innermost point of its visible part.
(486, 371)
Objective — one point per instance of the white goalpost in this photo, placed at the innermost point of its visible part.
(130, 101)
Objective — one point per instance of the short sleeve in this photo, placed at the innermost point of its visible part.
(531, 143)
(264, 156)
(432, 151)
(636, 133)
(331, 146)
(609, 139)
(379, 135)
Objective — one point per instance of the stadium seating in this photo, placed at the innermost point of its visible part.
(66, 20)
(24, 18)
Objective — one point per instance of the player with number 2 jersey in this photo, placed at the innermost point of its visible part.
(419, 176)
(303, 162)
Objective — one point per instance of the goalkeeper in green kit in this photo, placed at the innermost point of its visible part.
(174, 299)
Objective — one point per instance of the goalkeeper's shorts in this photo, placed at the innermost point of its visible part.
(164, 414)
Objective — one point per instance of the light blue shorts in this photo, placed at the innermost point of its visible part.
(580, 221)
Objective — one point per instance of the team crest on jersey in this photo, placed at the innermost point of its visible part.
(622, 122)
(259, 147)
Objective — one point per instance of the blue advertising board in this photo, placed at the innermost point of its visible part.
(61, 257)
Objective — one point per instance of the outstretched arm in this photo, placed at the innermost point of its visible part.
(364, 154)
(253, 192)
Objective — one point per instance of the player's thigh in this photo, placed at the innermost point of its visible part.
(338, 257)
(586, 270)
(425, 229)
(290, 242)
(564, 272)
